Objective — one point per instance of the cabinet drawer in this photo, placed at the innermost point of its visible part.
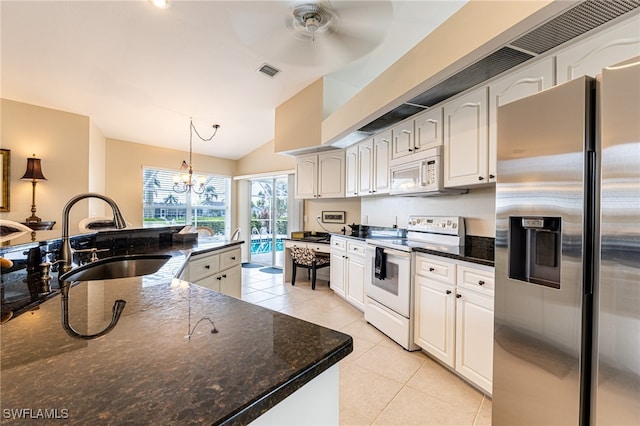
(229, 258)
(320, 248)
(338, 243)
(440, 270)
(476, 279)
(355, 248)
(202, 267)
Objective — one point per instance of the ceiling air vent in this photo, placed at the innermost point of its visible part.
(268, 70)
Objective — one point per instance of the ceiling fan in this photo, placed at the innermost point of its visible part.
(315, 33)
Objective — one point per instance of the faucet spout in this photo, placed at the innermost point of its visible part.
(118, 307)
(65, 251)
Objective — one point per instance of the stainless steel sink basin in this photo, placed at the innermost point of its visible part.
(109, 268)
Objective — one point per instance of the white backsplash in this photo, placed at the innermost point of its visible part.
(477, 207)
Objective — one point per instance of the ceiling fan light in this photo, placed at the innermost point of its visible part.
(160, 4)
(311, 24)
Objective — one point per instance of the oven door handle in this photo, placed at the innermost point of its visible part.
(398, 253)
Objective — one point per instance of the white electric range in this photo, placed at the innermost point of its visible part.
(389, 299)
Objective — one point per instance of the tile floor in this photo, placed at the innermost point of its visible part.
(380, 383)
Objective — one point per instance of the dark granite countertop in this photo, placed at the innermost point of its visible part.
(147, 370)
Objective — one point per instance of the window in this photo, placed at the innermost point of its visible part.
(164, 207)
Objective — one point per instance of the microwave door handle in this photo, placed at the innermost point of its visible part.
(423, 173)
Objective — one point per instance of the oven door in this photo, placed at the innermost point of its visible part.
(394, 291)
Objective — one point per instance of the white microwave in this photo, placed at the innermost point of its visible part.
(420, 174)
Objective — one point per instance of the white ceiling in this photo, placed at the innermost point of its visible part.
(140, 73)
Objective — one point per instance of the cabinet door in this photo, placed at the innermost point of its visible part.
(365, 167)
(211, 282)
(603, 49)
(466, 147)
(474, 338)
(381, 158)
(231, 282)
(351, 165)
(428, 127)
(306, 176)
(529, 80)
(402, 144)
(435, 319)
(337, 272)
(355, 281)
(331, 179)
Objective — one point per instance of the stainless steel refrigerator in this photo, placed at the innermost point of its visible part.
(567, 254)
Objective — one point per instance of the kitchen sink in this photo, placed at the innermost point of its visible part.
(134, 265)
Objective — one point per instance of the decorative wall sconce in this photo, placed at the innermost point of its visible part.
(34, 174)
(186, 182)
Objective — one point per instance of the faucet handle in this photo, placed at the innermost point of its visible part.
(94, 252)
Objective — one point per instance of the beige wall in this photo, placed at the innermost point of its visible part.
(314, 208)
(477, 207)
(61, 140)
(264, 160)
(298, 120)
(124, 162)
(97, 170)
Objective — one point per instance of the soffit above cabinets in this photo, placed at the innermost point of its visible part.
(578, 20)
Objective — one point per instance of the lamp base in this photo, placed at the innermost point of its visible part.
(40, 226)
(33, 218)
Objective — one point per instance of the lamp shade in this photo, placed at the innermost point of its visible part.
(34, 170)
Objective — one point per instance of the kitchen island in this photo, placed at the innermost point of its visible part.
(180, 354)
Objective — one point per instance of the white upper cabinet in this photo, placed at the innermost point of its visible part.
(306, 176)
(466, 147)
(351, 175)
(365, 167)
(381, 178)
(368, 166)
(605, 48)
(402, 135)
(514, 86)
(321, 175)
(428, 129)
(331, 174)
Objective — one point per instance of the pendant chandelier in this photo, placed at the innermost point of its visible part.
(187, 182)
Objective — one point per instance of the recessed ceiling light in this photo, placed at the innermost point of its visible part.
(160, 4)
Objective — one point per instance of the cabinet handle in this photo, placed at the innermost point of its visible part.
(415, 148)
(410, 150)
(207, 267)
(406, 132)
(448, 291)
(480, 177)
(492, 176)
(480, 282)
(219, 278)
(233, 258)
(432, 269)
(224, 276)
(458, 296)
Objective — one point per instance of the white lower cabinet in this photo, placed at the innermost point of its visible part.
(218, 270)
(454, 316)
(347, 270)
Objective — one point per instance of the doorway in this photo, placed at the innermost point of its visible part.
(269, 220)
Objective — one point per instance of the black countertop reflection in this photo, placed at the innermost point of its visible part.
(147, 370)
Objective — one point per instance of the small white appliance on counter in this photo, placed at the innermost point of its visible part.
(389, 298)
